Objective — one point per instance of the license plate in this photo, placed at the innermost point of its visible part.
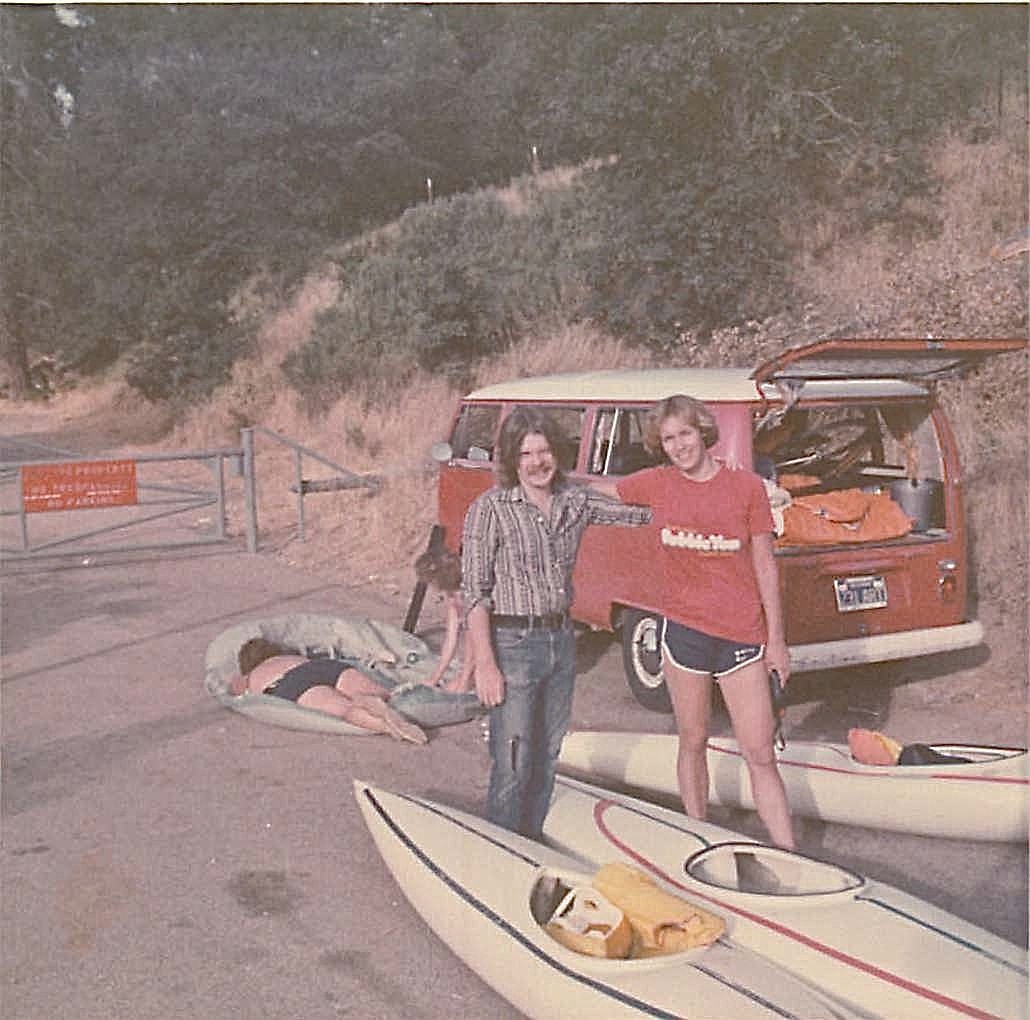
(855, 593)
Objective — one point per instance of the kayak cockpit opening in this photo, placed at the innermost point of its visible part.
(769, 871)
(962, 754)
(620, 913)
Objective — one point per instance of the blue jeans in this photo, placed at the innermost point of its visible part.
(527, 728)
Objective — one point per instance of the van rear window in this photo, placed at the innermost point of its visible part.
(832, 447)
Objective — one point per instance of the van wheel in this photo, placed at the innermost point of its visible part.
(642, 660)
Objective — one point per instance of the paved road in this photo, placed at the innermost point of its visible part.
(163, 857)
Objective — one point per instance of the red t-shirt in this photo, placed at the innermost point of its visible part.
(704, 532)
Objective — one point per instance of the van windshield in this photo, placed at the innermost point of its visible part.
(475, 431)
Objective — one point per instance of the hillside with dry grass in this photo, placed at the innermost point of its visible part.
(874, 286)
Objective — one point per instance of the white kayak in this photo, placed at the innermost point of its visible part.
(984, 799)
(483, 891)
(882, 951)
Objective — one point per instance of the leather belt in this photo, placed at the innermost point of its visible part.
(549, 621)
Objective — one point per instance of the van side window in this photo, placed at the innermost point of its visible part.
(617, 447)
(474, 431)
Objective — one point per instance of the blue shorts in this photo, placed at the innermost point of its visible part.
(313, 673)
(696, 652)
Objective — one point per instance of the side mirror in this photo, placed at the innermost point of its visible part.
(441, 452)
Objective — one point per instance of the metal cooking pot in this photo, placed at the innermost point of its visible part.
(922, 499)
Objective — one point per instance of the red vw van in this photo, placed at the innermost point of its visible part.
(848, 425)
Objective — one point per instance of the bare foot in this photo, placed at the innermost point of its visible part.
(396, 725)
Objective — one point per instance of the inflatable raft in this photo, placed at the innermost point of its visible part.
(400, 661)
(982, 798)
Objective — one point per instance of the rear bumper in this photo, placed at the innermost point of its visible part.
(884, 647)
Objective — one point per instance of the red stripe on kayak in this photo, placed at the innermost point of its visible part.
(894, 979)
(736, 753)
(981, 779)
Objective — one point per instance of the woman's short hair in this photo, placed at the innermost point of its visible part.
(256, 650)
(522, 422)
(679, 405)
(440, 568)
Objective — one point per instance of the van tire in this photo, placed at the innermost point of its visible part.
(642, 660)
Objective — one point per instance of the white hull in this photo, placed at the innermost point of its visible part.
(984, 800)
(472, 883)
(881, 950)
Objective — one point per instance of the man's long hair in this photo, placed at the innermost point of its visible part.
(524, 421)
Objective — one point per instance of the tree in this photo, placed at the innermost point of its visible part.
(155, 157)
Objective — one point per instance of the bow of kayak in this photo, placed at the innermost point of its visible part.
(487, 893)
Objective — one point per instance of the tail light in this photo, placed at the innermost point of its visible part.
(947, 580)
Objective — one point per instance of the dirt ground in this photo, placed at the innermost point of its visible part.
(164, 857)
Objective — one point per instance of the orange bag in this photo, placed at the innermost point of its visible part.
(871, 747)
(845, 506)
(829, 519)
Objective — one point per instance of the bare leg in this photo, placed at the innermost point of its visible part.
(691, 695)
(745, 692)
(370, 712)
(352, 682)
(451, 639)
(396, 725)
(464, 681)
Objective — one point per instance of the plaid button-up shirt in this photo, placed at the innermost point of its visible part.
(518, 560)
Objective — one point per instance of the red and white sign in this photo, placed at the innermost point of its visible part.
(78, 485)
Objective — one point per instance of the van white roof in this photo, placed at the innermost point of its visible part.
(728, 385)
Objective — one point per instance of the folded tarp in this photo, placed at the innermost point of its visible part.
(400, 661)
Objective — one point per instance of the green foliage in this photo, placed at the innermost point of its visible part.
(460, 279)
(208, 143)
(183, 367)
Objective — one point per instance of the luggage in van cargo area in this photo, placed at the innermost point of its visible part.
(922, 499)
(848, 515)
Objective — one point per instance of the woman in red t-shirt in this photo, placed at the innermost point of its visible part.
(721, 595)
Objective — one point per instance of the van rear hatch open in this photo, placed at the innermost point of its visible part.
(888, 444)
(914, 361)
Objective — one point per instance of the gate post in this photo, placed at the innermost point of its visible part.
(23, 517)
(249, 488)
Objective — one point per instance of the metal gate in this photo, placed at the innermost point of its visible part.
(85, 505)
(73, 505)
